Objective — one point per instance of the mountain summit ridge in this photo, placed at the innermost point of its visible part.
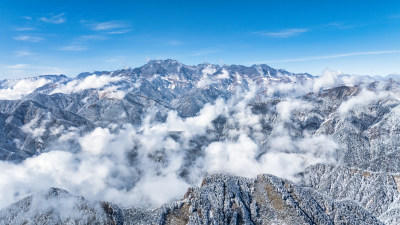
(171, 65)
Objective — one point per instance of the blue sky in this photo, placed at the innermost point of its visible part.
(69, 37)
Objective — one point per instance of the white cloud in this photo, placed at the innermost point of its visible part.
(205, 52)
(16, 89)
(341, 26)
(109, 25)
(28, 38)
(313, 58)
(328, 79)
(223, 75)
(122, 31)
(112, 92)
(22, 53)
(89, 82)
(95, 143)
(286, 108)
(80, 43)
(284, 33)
(84, 38)
(364, 98)
(233, 157)
(74, 48)
(24, 70)
(35, 128)
(140, 165)
(25, 28)
(18, 66)
(55, 19)
(207, 79)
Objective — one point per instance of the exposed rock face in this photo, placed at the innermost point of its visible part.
(375, 191)
(266, 200)
(221, 199)
(55, 206)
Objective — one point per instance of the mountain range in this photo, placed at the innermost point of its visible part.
(168, 143)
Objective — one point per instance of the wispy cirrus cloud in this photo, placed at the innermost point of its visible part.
(25, 28)
(312, 58)
(22, 53)
(80, 43)
(340, 26)
(122, 31)
(28, 38)
(54, 19)
(18, 66)
(85, 38)
(73, 48)
(284, 33)
(108, 26)
(205, 52)
(24, 70)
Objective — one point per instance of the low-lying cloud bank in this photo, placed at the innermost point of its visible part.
(156, 162)
(19, 88)
(16, 89)
(89, 82)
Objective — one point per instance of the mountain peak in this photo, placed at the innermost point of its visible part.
(163, 62)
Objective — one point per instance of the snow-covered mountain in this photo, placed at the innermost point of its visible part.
(134, 141)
